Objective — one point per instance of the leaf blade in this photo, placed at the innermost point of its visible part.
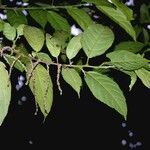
(144, 76)
(107, 91)
(72, 77)
(74, 46)
(127, 60)
(5, 92)
(16, 17)
(39, 16)
(18, 64)
(130, 46)
(81, 17)
(58, 22)
(42, 88)
(96, 40)
(34, 37)
(9, 32)
(116, 15)
(53, 45)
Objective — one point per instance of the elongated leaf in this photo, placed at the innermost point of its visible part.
(53, 46)
(133, 77)
(34, 37)
(16, 17)
(5, 92)
(144, 75)
(130, 46)
(96, 40)
(146, 35)
(126, 10)
(107, 91)
(81, 17)
(9, 32)
(74, 46)
(115, 14)
(18, 64)
(72, 77)
(1, 25)
(44, 57)
(42, 88)
(58, 22)
(127, 60)
(39, 16)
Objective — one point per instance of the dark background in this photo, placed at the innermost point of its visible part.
(77, 123)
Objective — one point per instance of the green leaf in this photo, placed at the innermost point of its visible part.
(44, 57)
(5, 92)
(72, 77)
(9, 32)
(39, 16)
(133, 77)
(81, 17)
(127, 60)
(16, 17)
(116, 15)
(42, 88)
(144, 75)
(96, 39)
(107, 91)
(53, 45)
(18, 64)
(130, 46)
(58, 22)
(20, 30)
(74, 46)
(146, 36)
(1, 25)
(126, 10)
(144, 14)
(34, 37)
(62, 37)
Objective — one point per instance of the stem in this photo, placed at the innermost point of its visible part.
(39, 8)
(84, 66)
(102, 66)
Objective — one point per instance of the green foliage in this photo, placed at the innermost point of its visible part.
(42, 88)
(96, 40)
(120, 14)
(16, 18)
(130, 46)
(34, 48)
(53, 46)
(74, 46)
(81, 17)
(144, 75)
(18, 64)
(5, 92)
(107, 91)
(9, 32)
(39, 16)
(127, 60)
(72, 77)
(34, 37)
(58, 22)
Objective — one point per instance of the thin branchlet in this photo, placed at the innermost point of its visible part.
(58, 78)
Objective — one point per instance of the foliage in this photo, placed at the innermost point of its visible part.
(33, 48)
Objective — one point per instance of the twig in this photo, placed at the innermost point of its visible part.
(39, 8)
(13, 63)
(58, 77)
